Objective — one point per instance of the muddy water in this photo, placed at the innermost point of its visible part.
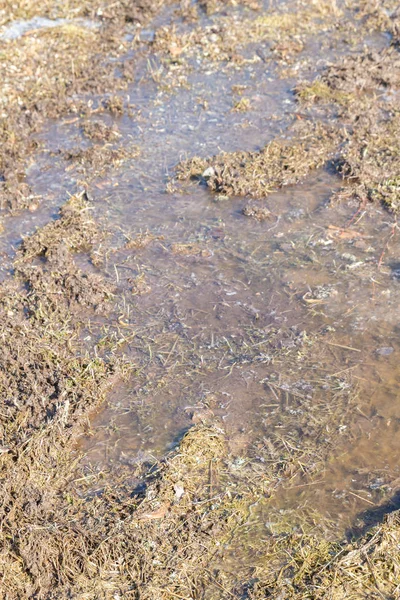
(222, 295)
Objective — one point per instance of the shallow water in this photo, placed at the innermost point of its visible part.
(17, 29)
(200, 333)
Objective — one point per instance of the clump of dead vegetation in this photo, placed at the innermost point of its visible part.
(16, 195)
(96, 160)
(139, 285)
(320, 91)
(100, 132)
(355, 76)
(142, 240)
(362, 86)
(282, 162)
(191, 249)
(46, 265)
(371, 162)
(75, 229)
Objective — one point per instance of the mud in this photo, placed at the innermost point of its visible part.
(200, 301)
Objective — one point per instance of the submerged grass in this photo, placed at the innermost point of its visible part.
(318, 569)
(58, 538)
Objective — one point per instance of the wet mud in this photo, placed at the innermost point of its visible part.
(200, 300)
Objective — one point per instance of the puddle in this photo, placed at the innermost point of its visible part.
(293, 273)
(17, 29)
(225, 296)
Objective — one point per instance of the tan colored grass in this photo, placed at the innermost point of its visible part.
(280, 163)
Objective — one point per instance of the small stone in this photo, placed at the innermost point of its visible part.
(208, 173)
(385, 351)
(179, 490)
(147, 35)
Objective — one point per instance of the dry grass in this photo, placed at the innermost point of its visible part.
(282, 162)
(58, 539)
(362, 86)
(320, 570)
(43, 71)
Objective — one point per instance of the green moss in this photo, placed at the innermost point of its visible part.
(320, 91)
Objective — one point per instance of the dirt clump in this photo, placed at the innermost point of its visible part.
(259, 213)
(282, 162)
(99, 131)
